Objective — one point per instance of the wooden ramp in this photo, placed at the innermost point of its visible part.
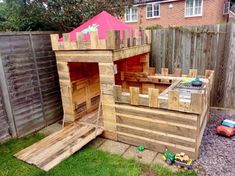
(51, 150)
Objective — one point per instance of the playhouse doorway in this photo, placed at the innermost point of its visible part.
(85, 82)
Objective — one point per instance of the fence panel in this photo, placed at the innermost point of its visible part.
(31, 80)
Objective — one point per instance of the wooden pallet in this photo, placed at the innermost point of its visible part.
(53, 149)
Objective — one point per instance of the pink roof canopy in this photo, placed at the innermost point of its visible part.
(102, 23)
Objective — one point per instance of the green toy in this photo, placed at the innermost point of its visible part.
(140, 148)
(168, 157)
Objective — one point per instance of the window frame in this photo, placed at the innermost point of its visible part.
(131, 21)
(185, 10)
(152, 4)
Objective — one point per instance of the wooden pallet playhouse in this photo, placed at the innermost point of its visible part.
(138, 106)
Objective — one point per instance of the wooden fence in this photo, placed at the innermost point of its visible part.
(205, 47)
(30, 94)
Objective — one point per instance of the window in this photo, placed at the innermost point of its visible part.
(131, 14)
(193, 8)
(153, 10)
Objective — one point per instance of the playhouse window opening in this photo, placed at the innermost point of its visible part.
(131, 73)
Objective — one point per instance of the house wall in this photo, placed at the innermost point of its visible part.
(212, 14)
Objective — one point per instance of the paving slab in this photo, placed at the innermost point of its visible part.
(145, 157)
(114, 147)
(51, 128)
(97, 142)
(159, 160)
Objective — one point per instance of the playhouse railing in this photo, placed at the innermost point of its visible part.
(114, 40)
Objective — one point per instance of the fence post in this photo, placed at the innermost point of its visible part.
(38, 78)
(6, 100)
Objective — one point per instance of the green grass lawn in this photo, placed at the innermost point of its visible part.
(87, 162)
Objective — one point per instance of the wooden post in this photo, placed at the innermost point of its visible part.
(193, 73)
(94, 40)
(153, 97)
(66, 37)
(131, 39)
(178, 72)
(38, 78)
(107, 81)
(54, 41)
(137, 37)
(113, 40)
(79, 39)
(124, 39)
(173, 100)
(117, 92)
(164, 71)
(134, 95)
(196, 102)
(6, 99)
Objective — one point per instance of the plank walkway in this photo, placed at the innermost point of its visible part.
(53, 149)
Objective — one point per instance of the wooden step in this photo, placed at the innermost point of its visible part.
(53, 149)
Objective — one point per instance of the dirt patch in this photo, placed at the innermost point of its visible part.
(217, 155)
(147, 171)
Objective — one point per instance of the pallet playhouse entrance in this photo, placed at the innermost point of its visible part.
(139, 107)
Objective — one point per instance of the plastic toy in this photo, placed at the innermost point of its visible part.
(140, 149)
(168, 157)
(228, 123)
(197, 82)
(225, 131)
(183, 161)
(227, 128)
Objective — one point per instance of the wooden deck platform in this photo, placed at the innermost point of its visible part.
(53, 149)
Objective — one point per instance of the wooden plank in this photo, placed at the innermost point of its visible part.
(158, 114)
(129, 52)
(153, 97)
(134, 95)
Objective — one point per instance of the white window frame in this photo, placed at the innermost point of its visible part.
(185, 13)
(131, 9)
(153, 10)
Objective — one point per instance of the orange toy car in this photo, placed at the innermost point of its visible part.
(225, 131)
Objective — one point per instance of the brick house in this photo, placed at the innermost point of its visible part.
(146, 13)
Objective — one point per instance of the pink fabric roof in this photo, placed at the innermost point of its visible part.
(104, 22)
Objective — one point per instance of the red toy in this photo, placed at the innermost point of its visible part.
(225, 131)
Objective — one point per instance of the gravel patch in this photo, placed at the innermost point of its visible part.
(217, 153)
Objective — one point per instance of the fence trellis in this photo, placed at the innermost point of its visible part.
(205, 47)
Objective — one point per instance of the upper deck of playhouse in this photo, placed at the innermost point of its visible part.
(117, 44)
